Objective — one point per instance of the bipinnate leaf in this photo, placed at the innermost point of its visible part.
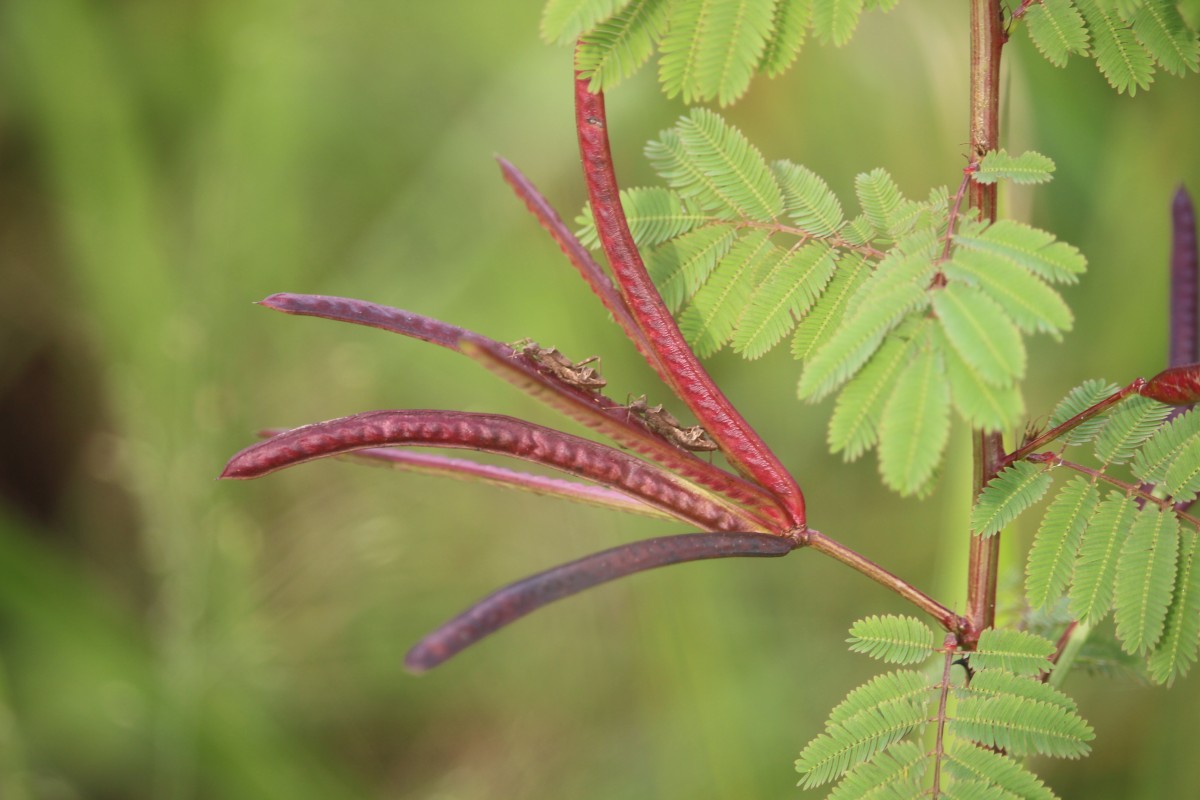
(1015, 651)
(915, 423)
(1028, 167)
(977, 327)
(1057, 30)
(854, 426)
(783, 296)
(1096, 565)
(710, 161)
(787, 36)
(1079, 399)
(893, 638)
(619, 46)
(1164, 34)
(1124, 63)
(879, 197)
(1007, 495)
(564, 20)
(1023, 727)
(681, 266)
(818, 327)
(1146, 578)
(835, 20)
(1168, 444)
(1132, 423)
(654, 215)
(1031, 303)
(807, 199)
(897, 772)
(983, 405)
(999, 682)
(869, 720)
(1035, 250)
(1052, 556)
(709, 322)
(713, 47)
(967, 760)
(1176, 650)
(854, 342)
(1182, 478)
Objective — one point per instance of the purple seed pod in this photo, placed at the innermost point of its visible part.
(492, 433)
(509, 604)
(1177, 386)
(1184, 270)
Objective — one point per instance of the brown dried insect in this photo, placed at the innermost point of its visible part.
(663, 423)
(579, 374)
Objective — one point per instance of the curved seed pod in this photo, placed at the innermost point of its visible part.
(516, 600)
(580, 258)
(586, 407)
(741, 445)
(1185, 330)
(491, 433)
(1177, 386)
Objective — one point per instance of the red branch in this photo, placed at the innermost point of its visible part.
(509, 604)
(491, 433)
(741, 445)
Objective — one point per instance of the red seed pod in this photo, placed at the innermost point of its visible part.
(1177, 386)
(360, 312)
(509, 604)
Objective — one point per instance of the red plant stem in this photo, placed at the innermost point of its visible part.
(581, 259)
(1074, 422)
(1185, 329)
(490, 433)
(946, 618)
(741, 445)
(586, 407)
(987, 42)
(464, 469)
(509, 604)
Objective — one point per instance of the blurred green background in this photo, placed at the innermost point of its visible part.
(164, 635)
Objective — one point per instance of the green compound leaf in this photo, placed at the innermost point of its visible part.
(1182, 478)
(1153, 459)
(807, 199)
(1033, 249)
(854, 426)
(1146, 579)
(654, 214)
(879, 197)
(856, 340)
(788, 33)
(1082, 397)
(1096, 565)
(977, 327)
(1015, 651)
(965, 760)
(1052, 556)
(622, 44)
(998, 682)
(835, 20)
(1164, 34)
(708, 323)
(782, 297)
(1029, 167)
(898, 771)
(681, 266)
(1023, 727)
(564, 20)
(1057, 30)
(1176, 651)
(1007, 495)
(869, 720)
(818, 327)
(713, 47)
(984, 406)
(1031, 303)
(711, 163)
(1133, 422)
(892, 638)
(915, 423)
(1123, 62)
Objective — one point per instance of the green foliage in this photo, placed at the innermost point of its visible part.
(564, 20)
(1029, 167)
(1126, 39)
(1096, 563)
(1052, 556)
(1146, 578)
(894, 639)
(1008, 494)
(1082, 397)
(877, 740)
(1033, 249)
(1176, 650)
(623, 43)
(915, 423)
(1132, 423)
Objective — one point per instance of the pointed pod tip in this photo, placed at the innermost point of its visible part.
(1182, 196)
(418, 661)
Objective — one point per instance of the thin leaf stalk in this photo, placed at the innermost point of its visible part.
(1074, 422)
(740, 443)
(987, 42)
(950, 648)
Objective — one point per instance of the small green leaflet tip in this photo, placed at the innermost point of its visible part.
(1029, 167)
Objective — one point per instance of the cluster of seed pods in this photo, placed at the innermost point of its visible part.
(754, 510)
